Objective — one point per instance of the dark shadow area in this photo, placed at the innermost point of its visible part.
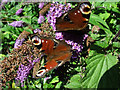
(75, 35)
(111, 79)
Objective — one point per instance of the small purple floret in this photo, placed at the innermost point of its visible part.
(41, 19)
(59, 35)
(36, 31)
(19, 11)
(76, 45)
(41, 5)
(45, 79)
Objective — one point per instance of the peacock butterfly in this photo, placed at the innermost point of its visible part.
(75, 19)
(57, 52)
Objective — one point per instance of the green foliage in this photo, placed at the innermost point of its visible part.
(96, 66)
(75, 82)
(111, 78)
(96, 20)
(54, 80)
(102, 68)
(116, 44)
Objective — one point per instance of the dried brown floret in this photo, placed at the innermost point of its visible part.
(18, 56)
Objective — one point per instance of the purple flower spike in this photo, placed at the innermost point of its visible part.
(23, 71)
(19, 11)
(56, 10)
(41, 5)
(17, 24)
(41, 19)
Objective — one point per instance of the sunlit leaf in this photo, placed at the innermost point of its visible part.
(58, 85)
(105, 15)
(46, 85)
(96, 67)
(54, 80)
(95, 18)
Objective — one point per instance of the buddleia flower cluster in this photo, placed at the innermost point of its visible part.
(56, 10)
(23, 71)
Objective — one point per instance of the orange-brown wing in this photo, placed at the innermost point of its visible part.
(75, 19)
(61, 53)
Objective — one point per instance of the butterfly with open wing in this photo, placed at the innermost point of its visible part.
(58, 52)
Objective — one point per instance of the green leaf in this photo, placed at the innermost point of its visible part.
(46, 85)
(105, 15)
(7, 28)
(54, 80)
(103, 44)
(14, 86)
(96, 66)
(1, 24)
(74, 82)
(2, 56)
(98, 21)
(15, 17)
(116, 44)
(115, 10)
(110, 4)
(7, 34)
(39, 85)
(58, 85)
(0, 48)
(95, 20)
(27, 20)
(113, 21)
(28, 30)
(117, 27)
(12, 42)
(95, 36)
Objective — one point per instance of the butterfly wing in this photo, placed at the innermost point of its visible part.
(60, 54)
(75, 19)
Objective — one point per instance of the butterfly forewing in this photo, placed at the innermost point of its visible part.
(75, 19)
